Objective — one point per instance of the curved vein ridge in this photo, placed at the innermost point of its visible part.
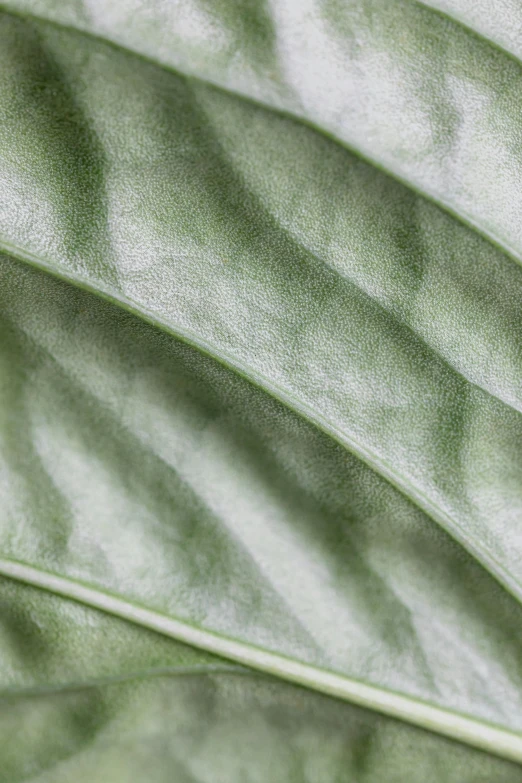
(436, 198)
(467, 730)
(478, 549)
(195, 670)
(257, 570)
(470, 27)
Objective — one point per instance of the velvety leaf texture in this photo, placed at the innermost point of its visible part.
(261, 391)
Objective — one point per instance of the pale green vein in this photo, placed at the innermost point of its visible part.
(485, 736)
(246, 551)
(479, 550)
(364, 154)
(197, 670)
(460, 21)
(382, 307)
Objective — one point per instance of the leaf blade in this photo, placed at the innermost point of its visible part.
(349, 340)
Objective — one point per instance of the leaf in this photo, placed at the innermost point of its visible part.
(272, 409)
(196, 721)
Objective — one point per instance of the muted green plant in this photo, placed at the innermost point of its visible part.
(261, 391)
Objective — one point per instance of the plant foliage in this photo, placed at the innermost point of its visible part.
(261, 391)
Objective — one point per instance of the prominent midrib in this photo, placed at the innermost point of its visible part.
(476, 733)
(463, 217)
(379, 465)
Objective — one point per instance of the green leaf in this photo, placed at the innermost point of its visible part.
(266, 429)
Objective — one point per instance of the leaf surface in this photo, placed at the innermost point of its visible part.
(274, 410)
(189, 718)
